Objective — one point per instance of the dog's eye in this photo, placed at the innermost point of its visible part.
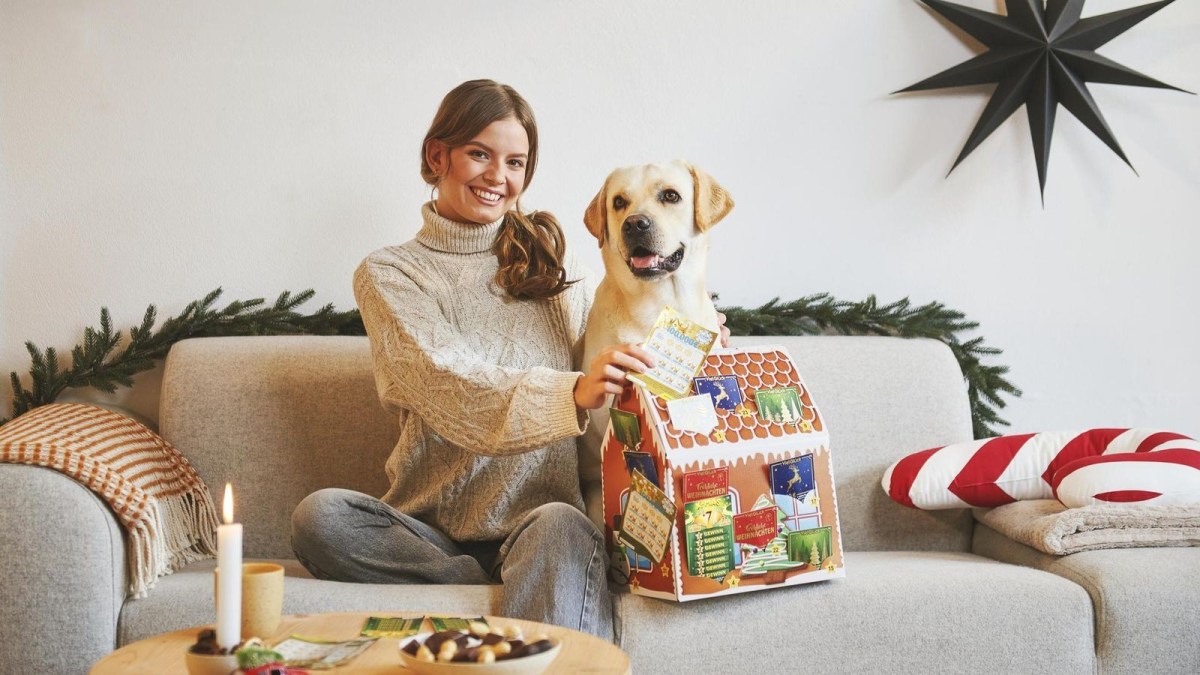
(669, 196)
(619, 203)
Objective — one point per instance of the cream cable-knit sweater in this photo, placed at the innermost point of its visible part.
(482, 383)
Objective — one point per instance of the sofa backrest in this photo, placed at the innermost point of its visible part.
(883, 398)
(280, 417)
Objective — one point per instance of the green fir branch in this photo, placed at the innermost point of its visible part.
(822, 314)
(94, 364)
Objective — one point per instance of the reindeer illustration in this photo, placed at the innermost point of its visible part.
(794, 479)
(723, 396)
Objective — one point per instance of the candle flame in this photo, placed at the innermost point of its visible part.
(227, 509)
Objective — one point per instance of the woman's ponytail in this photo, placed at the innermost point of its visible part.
(530, 249)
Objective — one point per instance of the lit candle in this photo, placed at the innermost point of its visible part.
(229, 579)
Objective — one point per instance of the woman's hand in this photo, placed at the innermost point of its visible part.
(607, 374)
(724, 340)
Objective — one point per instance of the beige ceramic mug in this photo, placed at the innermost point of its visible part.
(262, 598)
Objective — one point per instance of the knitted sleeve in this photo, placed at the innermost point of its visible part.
(423, 365)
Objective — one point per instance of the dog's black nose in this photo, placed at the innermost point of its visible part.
(636, 224)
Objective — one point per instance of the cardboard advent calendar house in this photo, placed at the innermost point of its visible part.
(698, 504)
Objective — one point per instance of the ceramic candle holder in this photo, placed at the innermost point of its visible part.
(262, 598)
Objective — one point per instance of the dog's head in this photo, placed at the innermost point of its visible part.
(648, 216)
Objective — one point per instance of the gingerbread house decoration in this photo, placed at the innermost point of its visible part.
(752, 499)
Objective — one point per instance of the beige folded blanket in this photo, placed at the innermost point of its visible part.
(1051, 527)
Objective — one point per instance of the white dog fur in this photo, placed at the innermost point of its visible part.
(652, 223)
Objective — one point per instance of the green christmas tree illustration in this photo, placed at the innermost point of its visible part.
(773, 557)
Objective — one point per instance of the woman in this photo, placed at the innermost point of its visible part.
(473, 326)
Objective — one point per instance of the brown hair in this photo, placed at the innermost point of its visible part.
(529, 247)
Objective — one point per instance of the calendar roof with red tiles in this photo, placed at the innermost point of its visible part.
(755, 369)
(727, 539)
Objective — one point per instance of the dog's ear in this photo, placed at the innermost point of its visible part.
(596, 215)
(712, 201)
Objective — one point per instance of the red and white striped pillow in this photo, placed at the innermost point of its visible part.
(1163, 477)
(996, 471)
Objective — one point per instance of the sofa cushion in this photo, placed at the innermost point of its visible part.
(1163, 477)
(185, 599)
(1004, 469)
(1146, 600)
(913, 611)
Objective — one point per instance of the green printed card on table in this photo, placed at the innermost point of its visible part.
(392, 626)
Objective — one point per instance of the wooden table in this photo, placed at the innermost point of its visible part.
(581, 653)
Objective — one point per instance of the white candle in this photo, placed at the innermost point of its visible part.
(229, 581)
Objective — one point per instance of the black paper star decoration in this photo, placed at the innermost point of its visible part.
(1040, 55)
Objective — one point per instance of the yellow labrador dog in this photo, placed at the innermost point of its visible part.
(652, 224)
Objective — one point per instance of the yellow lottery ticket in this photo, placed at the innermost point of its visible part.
(679, 347)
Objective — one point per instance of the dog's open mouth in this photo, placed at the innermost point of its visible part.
(646, 263)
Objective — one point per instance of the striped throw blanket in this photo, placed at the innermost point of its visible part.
(155, 493)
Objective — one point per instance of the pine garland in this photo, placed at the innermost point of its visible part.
(94, 365)
(820, 313)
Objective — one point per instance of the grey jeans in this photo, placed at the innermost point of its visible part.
(552, 565)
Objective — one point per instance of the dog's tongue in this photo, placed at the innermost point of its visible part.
(644, 262)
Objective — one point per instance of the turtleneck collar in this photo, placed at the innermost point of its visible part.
(443, 234)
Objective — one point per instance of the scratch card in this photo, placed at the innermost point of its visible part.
(705, 484)
(626, 427)
(391, 626)
(679, 348)
(708, 526)
(756, 528)
(811, 546)
(780, 405)
(694, 413)
(647, 520)
(793, 476)
(642, 461)
(723, 390)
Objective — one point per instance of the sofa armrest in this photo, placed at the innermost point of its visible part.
(63, 578)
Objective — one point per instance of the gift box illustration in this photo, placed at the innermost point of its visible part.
(725, 487)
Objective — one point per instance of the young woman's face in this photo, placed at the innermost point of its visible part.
(485, 176)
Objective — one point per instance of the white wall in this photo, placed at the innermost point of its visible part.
(152, 151)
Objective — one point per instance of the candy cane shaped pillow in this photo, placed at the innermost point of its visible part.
(996, 471)
(1163, 477)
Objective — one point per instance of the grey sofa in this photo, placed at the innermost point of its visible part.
(924, 591)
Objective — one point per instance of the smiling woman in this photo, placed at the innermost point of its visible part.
(473, 326)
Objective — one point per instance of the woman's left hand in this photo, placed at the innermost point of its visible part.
(724, 341)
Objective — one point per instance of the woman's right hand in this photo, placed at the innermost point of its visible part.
(608, 374)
